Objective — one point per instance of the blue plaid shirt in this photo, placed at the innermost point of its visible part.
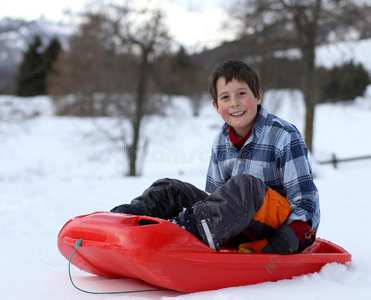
(275, 153)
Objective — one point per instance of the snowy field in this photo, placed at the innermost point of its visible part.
(53, 168)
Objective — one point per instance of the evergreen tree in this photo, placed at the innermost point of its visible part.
(29, 80)
(189, 79)
(32, 72)
(50, 55)
(343, 83)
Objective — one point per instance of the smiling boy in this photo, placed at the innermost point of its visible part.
(237, 105)
(262, 195)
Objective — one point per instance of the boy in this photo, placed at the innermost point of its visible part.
(262, 195)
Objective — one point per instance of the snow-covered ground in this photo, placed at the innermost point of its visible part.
(53, 168)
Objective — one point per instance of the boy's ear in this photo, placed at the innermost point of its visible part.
(259, 99)
(216, 107)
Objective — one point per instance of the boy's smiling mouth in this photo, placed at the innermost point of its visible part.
(237, 114)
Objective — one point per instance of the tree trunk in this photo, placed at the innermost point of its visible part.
(308, 93)
(309, 125)
(139, 114)
(308, 82)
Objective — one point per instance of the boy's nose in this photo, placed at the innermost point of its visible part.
(234, 101)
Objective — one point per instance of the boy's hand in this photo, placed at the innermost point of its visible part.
(284, 241)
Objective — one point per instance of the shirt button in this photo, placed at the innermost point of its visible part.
(239, 161)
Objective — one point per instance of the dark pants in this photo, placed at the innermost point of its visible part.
(243, 204)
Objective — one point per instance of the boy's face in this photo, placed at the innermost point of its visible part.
(237, 105)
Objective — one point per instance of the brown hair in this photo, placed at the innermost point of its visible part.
(234, 69)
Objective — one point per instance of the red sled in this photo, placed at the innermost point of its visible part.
(165, 255)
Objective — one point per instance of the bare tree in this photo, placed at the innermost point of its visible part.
(302, 24)
(90, 70)
(148, 39)
(113, 55)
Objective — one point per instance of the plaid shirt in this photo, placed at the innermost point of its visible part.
(275, 153)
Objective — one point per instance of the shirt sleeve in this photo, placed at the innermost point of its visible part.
(297, 176)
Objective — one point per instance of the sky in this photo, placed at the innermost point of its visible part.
(194, 24)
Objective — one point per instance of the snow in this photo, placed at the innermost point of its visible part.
(53, 168)
(338, 53)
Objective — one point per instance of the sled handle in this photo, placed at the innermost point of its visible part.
(86, 243)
